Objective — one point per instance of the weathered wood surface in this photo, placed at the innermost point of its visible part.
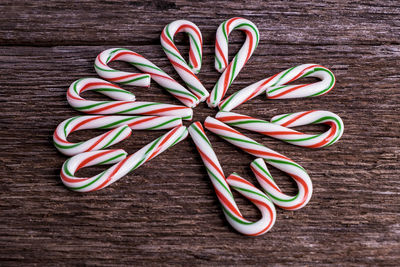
(166, 212)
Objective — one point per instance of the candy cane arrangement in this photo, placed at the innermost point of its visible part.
(121, 116)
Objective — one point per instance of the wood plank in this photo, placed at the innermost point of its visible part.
(140, 22)
(166, 213)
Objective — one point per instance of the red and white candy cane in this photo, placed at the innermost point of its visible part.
(277, 160)
(124, 166)
(121, 129)
(279, 126)
(157, 74)
(277, 86)
(125, 103)
(221, 55)
(223, 191)
(186, 71)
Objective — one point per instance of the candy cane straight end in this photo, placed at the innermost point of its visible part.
(208, 120)
(211, 103)
(189, 115)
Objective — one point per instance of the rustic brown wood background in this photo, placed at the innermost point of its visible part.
(166, 212)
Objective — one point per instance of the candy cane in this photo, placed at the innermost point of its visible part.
(224, 194)
(221, 55)
(158, 75)
(277, 86)
(272, 157)
(126, 105)
(278, 127)
(121, 126)
(185, 71)
(124, 166)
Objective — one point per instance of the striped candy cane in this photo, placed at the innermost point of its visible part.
(124, 166)
(277, 86)
(272, 157)
(278, 127)
(158, 75)
(126, 103)
(121, 126)
(221, 55)
(185, 71)
(224, 194)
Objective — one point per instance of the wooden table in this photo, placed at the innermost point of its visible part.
(166, 212)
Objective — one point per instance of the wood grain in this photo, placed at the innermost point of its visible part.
(166, 212)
